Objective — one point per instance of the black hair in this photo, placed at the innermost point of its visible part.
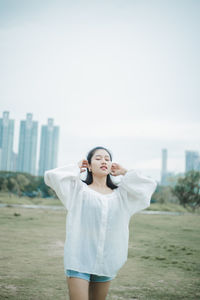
(89, 178)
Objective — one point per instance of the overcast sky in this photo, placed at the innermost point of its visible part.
(121, 74)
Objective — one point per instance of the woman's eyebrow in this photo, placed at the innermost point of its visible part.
(101, 155)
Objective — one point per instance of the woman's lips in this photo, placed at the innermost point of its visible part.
(104, 168)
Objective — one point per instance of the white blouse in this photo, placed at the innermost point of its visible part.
(97, 225)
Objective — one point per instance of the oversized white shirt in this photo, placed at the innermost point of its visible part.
(97, 225)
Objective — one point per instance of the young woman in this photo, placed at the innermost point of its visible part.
(97, 222)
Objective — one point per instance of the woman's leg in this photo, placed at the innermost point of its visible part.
(98, 290)
(78, 288)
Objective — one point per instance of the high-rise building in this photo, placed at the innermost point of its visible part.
(14, 161)
(164, 167)
(27, 145)
(6, 142)
(192, 161)
(167, 178)
(48, 147)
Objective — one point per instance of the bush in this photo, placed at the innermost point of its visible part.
(187, 189)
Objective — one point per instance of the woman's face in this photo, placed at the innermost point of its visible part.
(101, 163)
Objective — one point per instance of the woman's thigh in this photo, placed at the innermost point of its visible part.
(98, 290)
(78, 288)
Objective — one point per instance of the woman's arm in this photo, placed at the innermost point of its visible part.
(65, 181)
(136, 189)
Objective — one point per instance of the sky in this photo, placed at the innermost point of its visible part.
(119, 74)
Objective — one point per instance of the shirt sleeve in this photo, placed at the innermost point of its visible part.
(136, 190)
(65, 181)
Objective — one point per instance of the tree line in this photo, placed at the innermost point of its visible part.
(184, 189)
(24, 184)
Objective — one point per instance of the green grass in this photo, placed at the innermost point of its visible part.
(163, 258)
(171, 207)
(13, 199)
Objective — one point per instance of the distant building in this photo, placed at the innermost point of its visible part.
(14, 161)
(192, 161)
(164, 173)
(27, 145)
(48, 147)
(6, 142)
(167, 178)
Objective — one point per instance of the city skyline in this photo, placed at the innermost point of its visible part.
(47, 154)
(27, 158)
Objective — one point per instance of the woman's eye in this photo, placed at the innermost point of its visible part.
(99, 159)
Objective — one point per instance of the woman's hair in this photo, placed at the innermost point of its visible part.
(89, 178)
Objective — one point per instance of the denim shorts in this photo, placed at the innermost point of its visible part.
(87, 276)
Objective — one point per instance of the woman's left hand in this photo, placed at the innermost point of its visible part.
(117, 169)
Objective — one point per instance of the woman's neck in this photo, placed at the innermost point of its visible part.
(99, 182)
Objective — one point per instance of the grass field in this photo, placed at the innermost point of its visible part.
(163, 259)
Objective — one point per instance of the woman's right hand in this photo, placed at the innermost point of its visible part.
(83, 165)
